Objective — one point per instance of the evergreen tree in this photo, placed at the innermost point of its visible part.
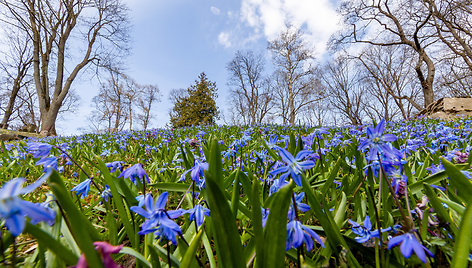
(198, 106)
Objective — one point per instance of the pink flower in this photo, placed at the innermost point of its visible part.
(105, 250)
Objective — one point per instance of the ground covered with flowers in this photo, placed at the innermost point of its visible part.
(396, 194)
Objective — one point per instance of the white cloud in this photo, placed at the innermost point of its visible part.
(318, 18)
(215, 10)
(223, 38)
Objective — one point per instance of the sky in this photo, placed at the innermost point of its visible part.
(173, 41)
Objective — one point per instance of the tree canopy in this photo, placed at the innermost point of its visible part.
(197, 106)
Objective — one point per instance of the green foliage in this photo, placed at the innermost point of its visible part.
(198, 107)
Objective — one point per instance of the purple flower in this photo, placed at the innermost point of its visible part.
(82, 188)
(13, 209)
(295, 166)
(198, 214)
(408, 243)
(297, 233)
(105, 250)
(133, 172)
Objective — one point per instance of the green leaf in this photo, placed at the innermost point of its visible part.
(443, 215)
(192, 250)
(459, 180)
(52, 244)
(275, 231)
(171, 186)
(331, 177)
(235, 197)
(137, 255)
(118, 201)
(463, 240)
(81, 228)
(335, 238)
(228, 243)
(341, 211)
(257, 223)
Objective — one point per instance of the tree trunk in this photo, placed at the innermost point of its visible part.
(11, 103)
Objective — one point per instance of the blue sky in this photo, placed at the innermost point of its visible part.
(173, 41)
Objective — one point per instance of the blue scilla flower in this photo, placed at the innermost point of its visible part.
(133, 172)
(265, 215)
(39, 150)
(365, 232)
(198, 214)
(106, 194)
(408, 243)
(158, 219)
(14, 209)
(318, 132)
(377, 141)
(300, 206)
(295, 166)
(113, 166)
(197, 172)
(82, 188)
(297, 233)
(47, 162)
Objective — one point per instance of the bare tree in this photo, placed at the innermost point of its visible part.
(394, 23)
(294, 74)
(388, 76)
(111, 107)
(251, 91)
(452, 20)
(344, 92)
(51, 25)
(148, 95)
(15, 65)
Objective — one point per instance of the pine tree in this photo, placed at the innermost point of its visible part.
(198, 107)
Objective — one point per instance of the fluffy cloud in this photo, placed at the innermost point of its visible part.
(223, 38)
(318, 18)
(215, 10)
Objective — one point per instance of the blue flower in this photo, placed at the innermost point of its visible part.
(365, 232)
(318, 132)
(197, 172)
(133, 172)
(198, 214)
(158, 220)
(82, 188)
(300, 206)
(113, 166)
(297, 233)
(13, 209)
(106, 193)
(47, 162)
(378, 142)
(294, 166)
(39, 150)
(408, 243)
(265, 215)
